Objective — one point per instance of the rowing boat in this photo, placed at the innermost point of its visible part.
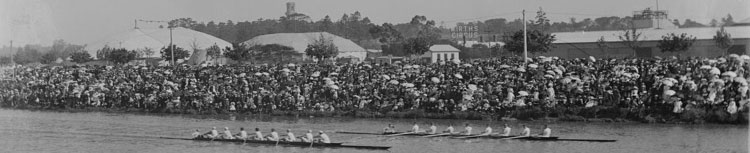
(530, 138)
(287, 143)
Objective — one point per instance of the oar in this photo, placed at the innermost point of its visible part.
(405, 133)
(514, 137)
(474, 136)
(437, 135)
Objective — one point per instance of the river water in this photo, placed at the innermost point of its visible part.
(43, 131)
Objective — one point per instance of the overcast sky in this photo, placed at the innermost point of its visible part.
(83, 21)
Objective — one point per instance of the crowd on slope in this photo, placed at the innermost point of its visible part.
(485, 85)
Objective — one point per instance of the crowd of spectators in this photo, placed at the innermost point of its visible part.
(670, 85)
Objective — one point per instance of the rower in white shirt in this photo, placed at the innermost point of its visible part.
(213, 134)
(389, 129)
(467, 130)
(227, 133)
(506, 131)
(487, 131)
(546, 132)
(526, 131)
(433, 129)
(323, 138)
(258, 135)
(196, 134)
(273, 136)
(242, 134)
(449, 129)
(290, 136)
(415, 128)
(308, 136)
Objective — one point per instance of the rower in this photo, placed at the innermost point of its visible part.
(290, 136)
(211, 134)
(547, 131)
(227, 134)
(242, 135)
(449, 129)
(433, 128)
(389, 129)
(467, 129)
(323, 138)
(487, 131)
(506, 130)
(415, 128)
(308, 136)
(273, 136)
(258, 134)
(196, 134)
(526, 131)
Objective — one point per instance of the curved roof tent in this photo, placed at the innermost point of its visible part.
(156, 39)
(299, 42)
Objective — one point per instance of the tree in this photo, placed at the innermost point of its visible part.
(537, 42)
(676, 43)
(713, 23)
(103, 53)
(213, 52)
(723, 39)
(238, 52)
(5, 60)
(322, 48)
(417, 46)
(632, 39)
(541, 23)
(121, 56)
(49, 57)
(728, 21)
(81, 57)
(27, 55)
(179, 53)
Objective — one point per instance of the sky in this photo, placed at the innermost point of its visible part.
(85, 21)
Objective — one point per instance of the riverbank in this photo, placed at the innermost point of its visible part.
(581, 114)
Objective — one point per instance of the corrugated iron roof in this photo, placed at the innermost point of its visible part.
(649, 34)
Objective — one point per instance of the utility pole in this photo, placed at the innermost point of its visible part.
(658, 25)
(12, 53)
(525, 47)
(171, 47)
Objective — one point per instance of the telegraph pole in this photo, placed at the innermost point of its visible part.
(13, 66)
(171, 47)
(525, 47)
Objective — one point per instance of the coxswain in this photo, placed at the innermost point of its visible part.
(308, 136)
(242, 134)
(211, 134)
(258, 134)
(196, 134)
(487, 131)
(433, 129)
(546, 132)
(415, 128)
(506, 130)
(526, 131)
(467, 129)
(449, 129)
(389, 129)
(290, 136)
(323, 138)
(227, 134)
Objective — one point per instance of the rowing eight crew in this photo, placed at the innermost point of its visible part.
(468, 130)
(274, 136)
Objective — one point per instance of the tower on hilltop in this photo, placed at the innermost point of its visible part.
(290, 8)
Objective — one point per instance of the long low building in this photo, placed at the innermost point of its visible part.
(584, 44)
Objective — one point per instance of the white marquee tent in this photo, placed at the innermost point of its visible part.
(299, 42)
(155, 39)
